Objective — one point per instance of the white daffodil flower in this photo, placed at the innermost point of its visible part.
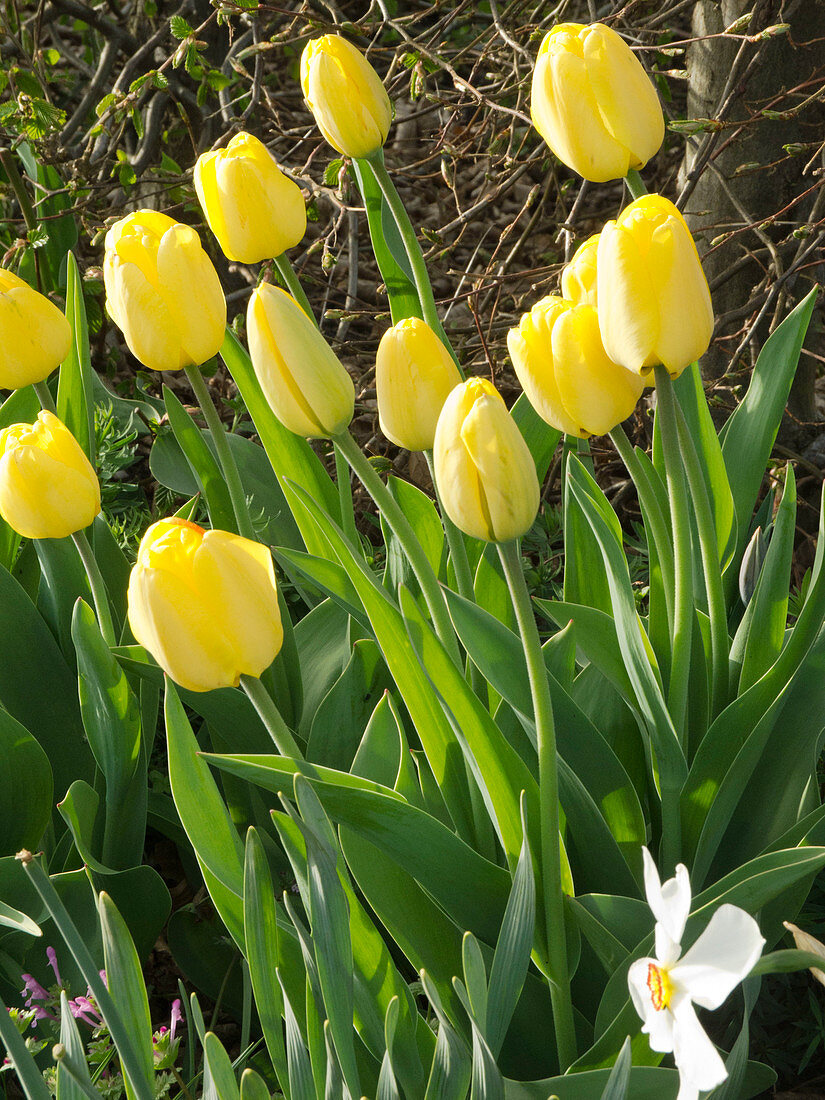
(665, 989)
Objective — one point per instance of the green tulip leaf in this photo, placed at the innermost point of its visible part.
(75, 393)
(26, 788)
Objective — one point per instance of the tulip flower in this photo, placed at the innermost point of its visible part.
(665, 989)
(163, 292)
(34, 335)
(303, 380)
(483, 468)
(414, 373)
(252, 208)
(563, 368)
(346, 96)
(654, 301)
(48, 489)
(593, 103)
(578, 278)
(204, 604)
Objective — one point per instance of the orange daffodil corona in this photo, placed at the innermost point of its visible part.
(665, 988)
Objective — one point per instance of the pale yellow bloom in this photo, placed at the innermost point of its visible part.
(35, 337)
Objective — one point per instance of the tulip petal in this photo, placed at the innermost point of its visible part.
(35, 337)
(669, 901)
(596, 392)
(140, 311)
(628, 301)
(238, 580)
(697, 1059)
(721, 958)
(531, 350)
(626, 97)
(505, 467)
(205, 178)
(170, 619)
(43, 498)
(684, 297)
(458, 480)
(193, 295)
(346, 96)
(263, 211)
(566, 114)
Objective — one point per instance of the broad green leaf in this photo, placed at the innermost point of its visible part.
(125, 982)
(253, 1086)
(75, 397)
(52, 717)
(62, 582)
(439, 741)
(290, 456)
(26, 789)
(80, 810)
(387, 1084)
(262, 952)
(13, 918)
(691, 397)
(205, 818)
(538, 435)
(111, 718)
(67, 1087)
(748, 436)
(512, 955)
(220, 1068)
(487, 1082)
(192, 447)
(301, 1085)
(451, 1070)
(645, 1083)
(597, 640)
(425, 521)
(475, 977)
(619, 1080)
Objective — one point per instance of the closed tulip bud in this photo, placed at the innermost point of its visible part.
(302, 378)
(204, 604)
(483, 468)
(578, 279)
(654, 301)
(563, 368)
(48, 489)
(414, 373)
(163, 292)
(346, 96)
(593, 103)
(34, 335)
(252, 208)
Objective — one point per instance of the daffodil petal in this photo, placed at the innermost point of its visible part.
(657, 1023)
(721, 958)
(669, 901)
(697, 1059)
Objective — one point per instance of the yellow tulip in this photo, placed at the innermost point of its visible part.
(654, 301)
(34, 335)
(578, 279)
(414, 373)
(204, 604)
(483, 468)
(48, 489)
(163, 292)
(563, 368)
(302, 378)
(252, 208)
(346, 96)
(593, 103)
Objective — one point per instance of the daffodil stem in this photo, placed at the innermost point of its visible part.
(635, 184)
(225, 456)
(400, 526)
(44, 396)
(293, 283)
(680, 520)
(550, 861)
(98, 586)
(655, 518)
(271, 717)
(118, 1030)
(706, 527)
(343, 478)
(421, 276)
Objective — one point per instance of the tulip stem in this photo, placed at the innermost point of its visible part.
(683, 613)
(400, 526)
(421, 276)
(343, 478)
(98, 587)
(225, 456)
(44, 396)
(706, 527)
(635, 184)
(271, 717)
(550, 861)
(293, 284)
